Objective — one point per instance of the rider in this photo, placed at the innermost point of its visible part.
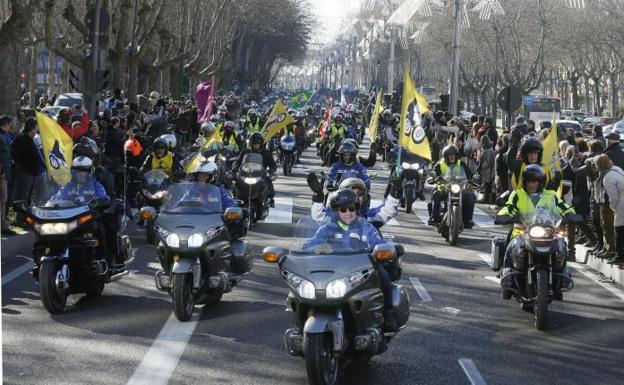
(161, 158)
(351, 231)
(252, 123)
(207, 172)
(338, 128)
(379, 215)
(347, 163)
(531, 152)
(255, 144)
(87, 147)
(231, 138)
(523, 202)
(450, 164)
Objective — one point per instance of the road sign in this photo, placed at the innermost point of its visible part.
(510, 98)
(527, 100)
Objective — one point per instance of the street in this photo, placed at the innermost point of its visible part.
(460, 331)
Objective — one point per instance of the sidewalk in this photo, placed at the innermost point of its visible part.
(612, 272)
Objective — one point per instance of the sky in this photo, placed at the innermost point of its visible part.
(332, 16)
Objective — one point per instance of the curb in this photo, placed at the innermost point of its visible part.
(612, 272)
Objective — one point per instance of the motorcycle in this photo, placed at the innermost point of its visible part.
(252, 188)
(69, 232)
(288, 147)
(410, 172)
(335, 302)
(539, 259)
(200, 247)
(155, 184)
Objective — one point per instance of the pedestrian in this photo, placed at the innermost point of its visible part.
(6, 161)
(613, 150)
(613, 183)
(597, 134)
(27, 161)
(486, 168)
(500, 163)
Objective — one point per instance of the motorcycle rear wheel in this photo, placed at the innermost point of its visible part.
(321, 364)
(183, 298)
(540, 307)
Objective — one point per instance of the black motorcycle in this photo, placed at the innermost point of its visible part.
(251, 187)
(539, 261)
(155, 185)
(199, 248)
(335, 301)
(68, 253)
(410, 171)
(288, 146)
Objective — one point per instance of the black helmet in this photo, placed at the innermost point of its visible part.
(161, 143)
(338, 118)
(344, 197)
(347, 147)
(386, 114)
(449, 149)
(83, 149)
(534, 172)
(256, 137)
(529, 145)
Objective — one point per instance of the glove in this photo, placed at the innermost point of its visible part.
(314, 184)
(503, 220)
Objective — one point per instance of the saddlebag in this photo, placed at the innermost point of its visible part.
(242, 259)
(498, 252)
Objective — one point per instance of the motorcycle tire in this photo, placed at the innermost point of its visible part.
(321, 365)
(53, 300)
(183, 298)
(540, 307)
(150, 232)
(453, 230)
(409, 194)
(285, 168)
(95, 290)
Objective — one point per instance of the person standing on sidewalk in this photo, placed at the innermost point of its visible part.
(613, 183)
(6, 162)
(28, 162)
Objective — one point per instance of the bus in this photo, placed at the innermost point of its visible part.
(541, 108)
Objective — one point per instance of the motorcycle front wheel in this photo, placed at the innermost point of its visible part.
(409, 193)
(53, 297)
(183, 298)
(540, 307)
(321, 363)
(453, 225)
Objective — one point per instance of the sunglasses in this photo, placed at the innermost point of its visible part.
(349, 209)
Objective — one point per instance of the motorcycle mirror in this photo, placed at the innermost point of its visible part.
(233, 213)
(273, 254)
(147, 212)
(384, 252)
(19, 206)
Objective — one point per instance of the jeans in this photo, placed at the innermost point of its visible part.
(468, 202)
(619, 241)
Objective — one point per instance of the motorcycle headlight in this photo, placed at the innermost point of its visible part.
(159, 194)
(406, 165)
(339, 287)
(415, 166)
(541, 232)
(196, 240)
(173, 240)
(303, 287)
(251, 180)
(148, 194)
(59, 228)
(455, 188)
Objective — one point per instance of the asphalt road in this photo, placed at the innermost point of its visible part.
(460, 331)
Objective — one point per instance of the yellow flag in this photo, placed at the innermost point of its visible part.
(199, 157)
(413, 137)
(57, 148)
(278, 119)
(372, 127)
(550, 157)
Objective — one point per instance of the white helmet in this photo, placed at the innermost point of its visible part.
(154, 95)
(82, 163)
(209, 127)
(170, 139)
(206, 168)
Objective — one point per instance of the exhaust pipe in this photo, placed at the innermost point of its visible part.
(117, 276)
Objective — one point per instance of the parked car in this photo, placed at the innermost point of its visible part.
(569, 124)
(69, 100)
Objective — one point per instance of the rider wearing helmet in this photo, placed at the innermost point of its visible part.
(161, 158)
(255, 144)
(231, 138)
(252, 123)
(348, 230)
(208, 172)
(338, 129)
(531, 151)
(523, 202)
(87, 147)
(450, 165)
(347, 163)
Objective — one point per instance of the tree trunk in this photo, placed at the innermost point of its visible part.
(575, 94)
(615, 103)
(165, 76)
(597, 96)
(587, 103)
(51, 76)
(9, 77)
(34, 55)
(133, 77)
(176, 80)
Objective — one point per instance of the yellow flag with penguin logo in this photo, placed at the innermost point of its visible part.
(550, 157)
(374, 123)
(278, 119)
(199, 157)
(57, 148)
(412, 135)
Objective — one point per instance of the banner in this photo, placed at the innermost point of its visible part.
(57, 148)
(551, 157)
(372, 127)
(199, 157)
(300, 99)
(278, 119)
(344, 104)
(412, 135)
(204, 97)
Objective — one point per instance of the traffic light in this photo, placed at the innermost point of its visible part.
(74, 80)
(102, 80)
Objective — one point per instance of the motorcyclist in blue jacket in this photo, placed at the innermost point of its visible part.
(83, 187)
(206, 172)
(347, 164)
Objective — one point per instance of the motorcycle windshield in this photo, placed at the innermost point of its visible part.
(545, 213)
(78, 192)
(326, 238)
(155, 177)
(192, 198)
(455, 174)
(252, 164)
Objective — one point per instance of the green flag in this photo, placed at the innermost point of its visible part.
(300, 99)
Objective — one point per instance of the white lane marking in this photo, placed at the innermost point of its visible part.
(8, 277)
(487, 258)
(282, 212)
(391, 222)
(482, 219)
(154, 265)
(492, 278)
(450, 310)
(420, 289)
(471, 371)
(594, 277)
(421, 210)
(162, 357)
